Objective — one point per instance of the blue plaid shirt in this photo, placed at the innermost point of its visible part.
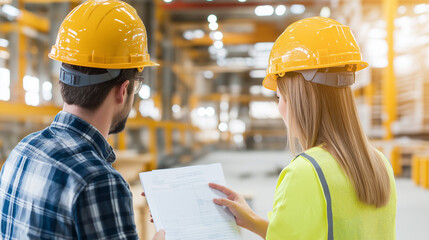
(59, 184)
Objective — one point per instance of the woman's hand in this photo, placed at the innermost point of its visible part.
(244, 215)
(159, 235)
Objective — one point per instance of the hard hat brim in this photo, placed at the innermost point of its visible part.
(72, 61)
(270, 83)
(151, 64)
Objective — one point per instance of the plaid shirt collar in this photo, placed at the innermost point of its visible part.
(70, 122)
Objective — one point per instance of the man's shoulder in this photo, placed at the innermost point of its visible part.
(64, 152)
(88, 165)
(47, 140)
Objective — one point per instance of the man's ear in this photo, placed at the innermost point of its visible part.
(121, 92)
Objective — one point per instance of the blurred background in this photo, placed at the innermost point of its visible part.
(206, 104)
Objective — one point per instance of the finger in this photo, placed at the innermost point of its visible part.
(224, 202)
(159, 235)
(223, 189)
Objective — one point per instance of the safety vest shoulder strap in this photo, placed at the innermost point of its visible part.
(326, 192)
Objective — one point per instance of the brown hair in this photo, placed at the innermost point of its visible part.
(321, 114)
(91, 97)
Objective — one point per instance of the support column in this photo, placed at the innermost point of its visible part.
(57, 12)
(389, 81)
(18, 65)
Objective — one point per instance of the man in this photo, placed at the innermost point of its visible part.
(59, 183)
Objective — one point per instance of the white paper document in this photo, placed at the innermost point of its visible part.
(181, 203)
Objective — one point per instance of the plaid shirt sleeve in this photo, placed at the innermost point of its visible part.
(104, 210)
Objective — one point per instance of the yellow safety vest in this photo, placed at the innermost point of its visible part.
(315, 199)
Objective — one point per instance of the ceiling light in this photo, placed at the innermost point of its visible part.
(402, 10)
(10, 10)
(47, 86)
(198, 33)
(212, 50)
(423, 18)
(213, 26)
(210, 112)
(421, 8)
(377, 33)
(264, 110)
(255, 89)
(280, 10)
(188, 35)
(4, 42)
(146, 107)
(222, 53)
(264, 10)
(201, 112)
(297, 9)
(144, 92)
(31, 84)
(264, 46)
(267, 93)
(4, 78)
(237, 126)
(4, 54)
(325, 12)
(168, 1)
(238, 139)
(4, 94)
(258, 73)
(208, 74)
(32, 98)
(223, 127)
(175, 108)
(47, 91)
(212, 18)
(218, 44)
(217, 36)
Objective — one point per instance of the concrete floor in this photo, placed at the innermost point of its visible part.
(254, 174)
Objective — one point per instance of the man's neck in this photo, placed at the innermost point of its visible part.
(99, 118)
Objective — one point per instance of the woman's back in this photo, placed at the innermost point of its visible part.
(314, 183)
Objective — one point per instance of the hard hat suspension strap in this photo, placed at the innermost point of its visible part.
(77, 79)
(333, 79)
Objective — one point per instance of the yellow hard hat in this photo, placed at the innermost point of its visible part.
(102, 34)
(313, 43)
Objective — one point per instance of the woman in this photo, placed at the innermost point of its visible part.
(340, 187)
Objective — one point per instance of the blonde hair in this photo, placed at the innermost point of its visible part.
(319, 114)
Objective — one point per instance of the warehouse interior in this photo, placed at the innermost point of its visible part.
(206, 104)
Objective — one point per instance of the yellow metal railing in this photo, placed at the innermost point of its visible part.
(44, 115)
(405, 156)
(152, 126)
(420, 170)
(396, 160)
